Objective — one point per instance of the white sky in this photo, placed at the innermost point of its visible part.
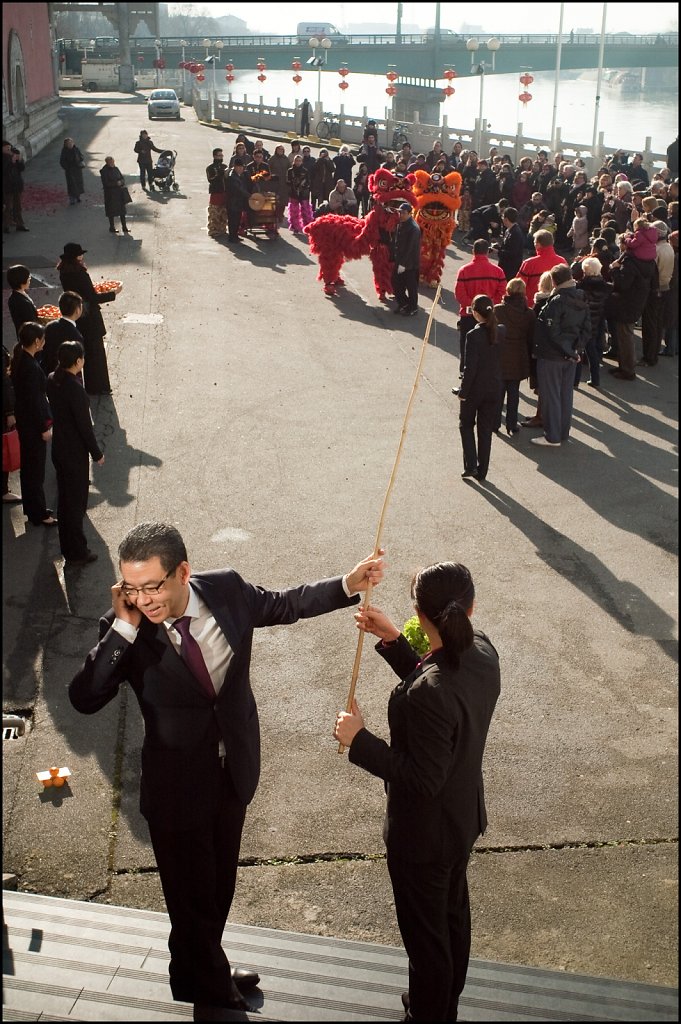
(280, 19)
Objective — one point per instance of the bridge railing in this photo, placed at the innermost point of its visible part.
(276, 119)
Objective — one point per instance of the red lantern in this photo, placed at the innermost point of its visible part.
(449, 74)
(526, 79)
(62, 58)
(343, 85)
(261, 66)
(343, 72)
(229, 78)
(525, 98)
(201, 67)
(297, 79)
(200, 78)
(392, 76)
(262, 78)
(391, 90)
(296, 65)
(229, 67)
(192, 68)
(448, 91)
(182, 65)
(161, 63)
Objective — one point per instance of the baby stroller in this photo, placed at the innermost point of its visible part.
(164, 171)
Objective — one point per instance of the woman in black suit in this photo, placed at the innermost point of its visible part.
(20, 304)
(33, 420)
(75, 278)
(73, 444)
(439, 716)
(480, 390)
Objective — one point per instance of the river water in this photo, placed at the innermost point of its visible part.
(625, 118)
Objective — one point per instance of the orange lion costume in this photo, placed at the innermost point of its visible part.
(335, 238)
(437, 197)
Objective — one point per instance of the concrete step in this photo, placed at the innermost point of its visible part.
(68, 960)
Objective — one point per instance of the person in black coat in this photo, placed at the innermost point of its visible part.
(305, 117)
(512, 245)
(407, 259)
(8, 421)
(72, 163)
(73, 443)
(201, 751)
(20, 305)
(632, 280)
(596, 291)
(343, 163)
(486, 185)
(13, 167)
(144, 147)
(439, 716)
(238, 190)
(63, 329)
(34, 421)
(75, 278)
(116, 194)
(480, 388)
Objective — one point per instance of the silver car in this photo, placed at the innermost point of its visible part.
(163, 103)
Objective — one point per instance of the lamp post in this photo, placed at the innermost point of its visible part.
(214, 97)
(318, 62)
(472, 45)
(157, 44)
(183, 44)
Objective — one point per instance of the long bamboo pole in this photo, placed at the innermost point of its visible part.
(386, 499)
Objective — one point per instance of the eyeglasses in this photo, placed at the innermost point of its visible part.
(149, 589)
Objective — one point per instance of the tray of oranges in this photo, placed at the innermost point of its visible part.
(107, 286)
(47, 313)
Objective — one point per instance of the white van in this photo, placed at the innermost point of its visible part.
(319, 30)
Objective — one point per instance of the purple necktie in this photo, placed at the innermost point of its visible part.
(190, 652)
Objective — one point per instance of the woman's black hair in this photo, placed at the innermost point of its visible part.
(483, 305)
(69, 353)
(444, 593)
(28, 334)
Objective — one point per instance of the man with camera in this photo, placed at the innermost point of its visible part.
(12, 186)
(217, 211)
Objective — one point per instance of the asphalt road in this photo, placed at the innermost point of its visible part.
(262, 419)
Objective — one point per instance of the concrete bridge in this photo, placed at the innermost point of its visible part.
(416, 56)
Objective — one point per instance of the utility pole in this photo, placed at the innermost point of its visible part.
(436, 51)
(125, 74)
(398, 33)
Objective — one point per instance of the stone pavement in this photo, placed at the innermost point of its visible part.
(262, 419)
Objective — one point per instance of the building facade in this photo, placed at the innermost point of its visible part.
(30, 95)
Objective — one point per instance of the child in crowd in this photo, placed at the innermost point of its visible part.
(579, 232)
(643, 243)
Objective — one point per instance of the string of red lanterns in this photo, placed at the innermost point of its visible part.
(296, 65)
(262, 67)
(525, 96)
(343, 72)
(449, 74)
(392, 77)
(229, 68)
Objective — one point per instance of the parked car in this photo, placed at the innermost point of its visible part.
(163, 103)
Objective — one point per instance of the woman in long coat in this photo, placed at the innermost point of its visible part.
(115, 194)
(74, 277)
(299, 209)
(71, 160)
(322, 178)
(515, 350)
(279, 170)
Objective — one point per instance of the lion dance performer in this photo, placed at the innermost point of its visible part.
(437, 197)
(335, 239)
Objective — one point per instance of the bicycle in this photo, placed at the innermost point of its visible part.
(399, 137)
(329, 128)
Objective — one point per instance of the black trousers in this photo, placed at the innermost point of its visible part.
(406, 289)
(304, 125)
(478, 413)
(466, 324)
(73, 487)
(32, 473)
(146, 172)
(652, 324)
(433, 912)
(233, 222)
(198, 874)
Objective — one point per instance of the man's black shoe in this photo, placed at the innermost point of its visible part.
(456, 391)
(245, 978)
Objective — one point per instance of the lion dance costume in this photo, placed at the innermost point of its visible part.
(437, 197)
(335, 239)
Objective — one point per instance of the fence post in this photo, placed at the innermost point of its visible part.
(557, 142)
(648, 156)
(444, 133)
(519, 149)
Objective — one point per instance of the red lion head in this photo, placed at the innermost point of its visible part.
(390, 189)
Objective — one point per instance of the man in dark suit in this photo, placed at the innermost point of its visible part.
(407, 259)
(63, 329)
(21, 306)
(183, 643)
(512, 245)
(73, 444)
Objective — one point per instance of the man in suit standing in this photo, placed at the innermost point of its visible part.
(63, 329)
(183, 642)
(305, 118)
(512, 245)
(73, 444)
(407, 258)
